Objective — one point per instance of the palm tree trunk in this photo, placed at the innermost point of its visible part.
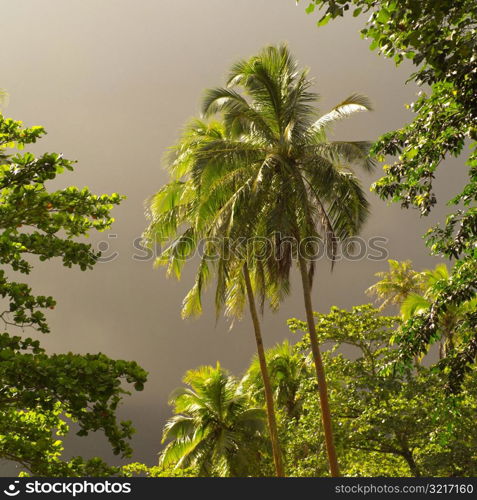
(448, 341)
(320, 372)
(272, 421)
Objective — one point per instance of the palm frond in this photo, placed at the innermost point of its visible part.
(353, 104)
(414, 304)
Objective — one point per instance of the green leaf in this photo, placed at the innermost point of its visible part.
(324, 20)
(383, 16)
(310, 8)
(373, 44)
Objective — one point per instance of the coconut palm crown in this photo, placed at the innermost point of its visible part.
(213, 429)
(265, 170)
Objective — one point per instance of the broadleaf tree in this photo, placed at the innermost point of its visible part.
(41, 394)
(440, 38)
(389, 423)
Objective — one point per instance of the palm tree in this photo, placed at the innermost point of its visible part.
(418, 303)
(280, 173)
(414, 292)
(397, 284)
(213, 428)
(287, 370)
(179, 205)
(271, 174)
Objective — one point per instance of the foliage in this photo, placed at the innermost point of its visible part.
(39, 392)
(387, 423)
(138, 469)
(213, 430)
(440, 38)
(287, 369)
(396, 284)
(415, 293)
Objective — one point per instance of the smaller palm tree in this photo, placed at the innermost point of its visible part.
(287, 370)
(396, 284)
(418, 303)
(414, 292)
(214, 429)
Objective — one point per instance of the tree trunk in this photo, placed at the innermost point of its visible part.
(320, 372)
(407, 455)
(272, 421)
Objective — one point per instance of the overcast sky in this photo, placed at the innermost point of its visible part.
(113, 81)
